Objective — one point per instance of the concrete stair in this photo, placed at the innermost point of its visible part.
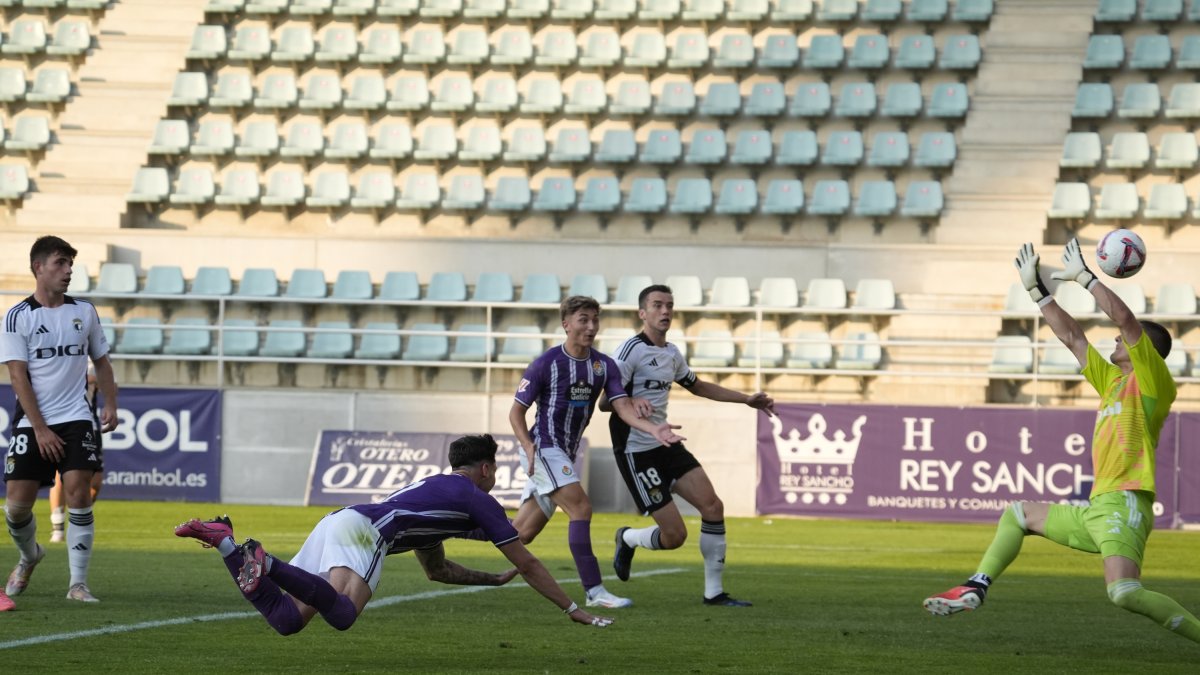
(104, 130)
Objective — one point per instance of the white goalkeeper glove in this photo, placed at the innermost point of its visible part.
(1074, 268)
(1027, 265)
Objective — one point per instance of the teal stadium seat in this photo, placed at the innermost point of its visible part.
(797, 148)
(811, 100)
(258, 282)
(527, 143)
(1188, 57)
(466, 193)
(617, 146)
(515, 349)
(735, 51)
(512, 194)
(824, 52)
(881, 11)
(632, 98)
(948, 101)
(843, 148)
(922, 199)
(1150, 52)
(738, 197)
(677, 98)
(792, 11)
(936, 150)
(143, 335)
(628, 288)
(780, 50)
(338, 344)
(646, 195)
(1162, 10)
(767, 99)
(833, 11)
(785, 197)
(555, 195)
(306, 284)
(1140, 100)
(1081, 150)
(927, 11)
(857, 99)
(1104, 52)
(916, 52)
(663, 146)
(1093, 100)
(602, 49)
(693, 196)
(117, 277)
(973, 11)
(722, 99)
(284, 339)
(601, 195)
(164, 280)
(493, 287)
(686, 289)
(1070, 200)
(188, 336)
(541, 288)
(1128, 150)
(889, 149)
(960, 52)
(752, 147)
(353, 285)
(876, 199)
(707, 146)
(446, 287)
(400, 287)
(331, 190)
(212, 281)
(571, 145)
(870, 52)
(714, 350)
(812, 350)
(591, 285)
(473, 348)
(830, 198)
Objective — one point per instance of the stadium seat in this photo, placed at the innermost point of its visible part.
(633, 98)
(1162, 10)
(353, 8)
(190, 89)
(812, 350)
(239, 337)
(1012, 354)
(1128, 150)
(438, 141)
(353, 285)
(824, 52)
(332, 341)
(1176, 150)
(239, 188)
(735, 51)
(617, 146)
(875, 295)
(482, 144)
(12, 84)
(409, 93)
(1070, 200)
(779, 51)
(1167, 201)
(677, 98)
(426, 45)
(648, 50)
(690, 50)
(514, 47)
(973, 11)
(259, 139)
(82, 283)
(1177, 362)
(870, 52)
(493, 287)
(693, 196)
(1140, 100)
(948, 101)
(528, 9)
(833, 11)
(752, 147)
(663, 146)
(797, 148)
(470, 47)
(881, 11)
(1132, 295)
(572, 9)
(1075, 299)
(151, 185)
(454, 94)
(295, 44)
(31, 133)
(785, 197)
(376, 191)
(1175, 299)
(396, 8)
(384, 46)
(331, 190)
(601, 50)
(628, 288)
(1150, 52)
(266, 8)
(304, 139)
(571, 145)
(251, 43)
(706, 146)
(234, 90)
(421, 192)
(521, 349)
(541, 288)
(214, 138)
(587, 97)
(400, 287)
(766, 99)
(511, 194)
(284, 339)
(194, 187)
(117, 277)
(960, 52)
(466, 193)
(658, 10)
(591, 285)
(1093, 100)
(258, 282)
(322, 91)
(306, 284)
(1184, 102)
(499, 95)
(711, 10)
(544, 96)
(447, 287)
(526, 143)
(615, 10)
(1188, 57)
(285, 189)
(601, 195)
(440, 9)
(889, 149)
(646, 195)
(557, 48)
(764, 349)
(876, 199)
(927, 11)
(278, 92)
(686, 289)
(916, 52)
(212, 281)
(209, 42)
(382, 345)
(144, 335)
(72, 38)
(830, 198)
(738, 197)
(714, 350)
(722, 99)
(791, 11)
(922, 199)
(26, 36)
(812, 99)
(188, 336)
(861, 350)
(936, 150)
(843, 148)
(14, 182)
(778, 292)
(1104, 52)
(1117, 200)
(902, 100)
(473, 348)
(555, 195)
(368, 92)
(1081, 150)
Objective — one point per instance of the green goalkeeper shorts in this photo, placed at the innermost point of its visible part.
(1114, 523)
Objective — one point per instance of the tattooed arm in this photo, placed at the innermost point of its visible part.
(439, 569)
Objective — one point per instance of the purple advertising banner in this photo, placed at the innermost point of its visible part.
(354, 467)
(166, 447)
(934, 464)
(1188, 487)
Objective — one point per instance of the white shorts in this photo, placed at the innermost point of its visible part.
(554, 470)
(343, 538)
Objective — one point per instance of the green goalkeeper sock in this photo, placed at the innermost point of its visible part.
(1010, 532)
(1128, 594)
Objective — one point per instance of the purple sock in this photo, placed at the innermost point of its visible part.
(579, 539)
(314, 591)
(278, 609)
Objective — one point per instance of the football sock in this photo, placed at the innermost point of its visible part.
(1128, 594)
(337, 609)
(58, 519)
(23, 528)
(1010, 533)
(579, 540)
(646, 537)
(712, 547)
(278, 609)
(79, 543)
(226, 547)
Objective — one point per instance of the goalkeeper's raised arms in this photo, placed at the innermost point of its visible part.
(1074, 269)
(1027, 265)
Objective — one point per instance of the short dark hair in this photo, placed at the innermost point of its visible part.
(577, 302)
(47, 246)
(1159, 337)
(656, 288)
(470, 450)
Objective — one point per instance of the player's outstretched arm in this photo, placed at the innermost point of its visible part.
(715, 392)
(439, 569)
(1065, 327)
(1110, 303)
(663, 432)
(538, 577)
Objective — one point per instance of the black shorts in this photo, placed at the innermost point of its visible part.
(81, 444)
(651, 475)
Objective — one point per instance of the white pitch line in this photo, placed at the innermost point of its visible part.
(226, 616)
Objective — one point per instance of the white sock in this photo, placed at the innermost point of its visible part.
(24, 534)
(646, 537)
(58, 516)
(80, 536)
(226, 547)
(712, 547)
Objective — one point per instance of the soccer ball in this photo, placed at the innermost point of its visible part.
(1121, 254)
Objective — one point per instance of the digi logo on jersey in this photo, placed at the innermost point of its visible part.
(60, 350)
(657, 385)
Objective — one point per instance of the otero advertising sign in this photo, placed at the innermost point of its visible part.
(167, 444)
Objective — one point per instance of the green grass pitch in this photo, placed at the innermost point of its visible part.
(829, 596)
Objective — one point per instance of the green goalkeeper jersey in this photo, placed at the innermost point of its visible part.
(1132, 411)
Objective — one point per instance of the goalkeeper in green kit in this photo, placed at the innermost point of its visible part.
(1136, 392)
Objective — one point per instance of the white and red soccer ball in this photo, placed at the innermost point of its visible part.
(1121, 254)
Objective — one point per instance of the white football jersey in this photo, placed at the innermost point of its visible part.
(56, 344)
(648, 372)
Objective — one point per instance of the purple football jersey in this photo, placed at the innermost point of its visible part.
(421, 514)
(566, 390)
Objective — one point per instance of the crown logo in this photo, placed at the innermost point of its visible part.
(817, 448)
